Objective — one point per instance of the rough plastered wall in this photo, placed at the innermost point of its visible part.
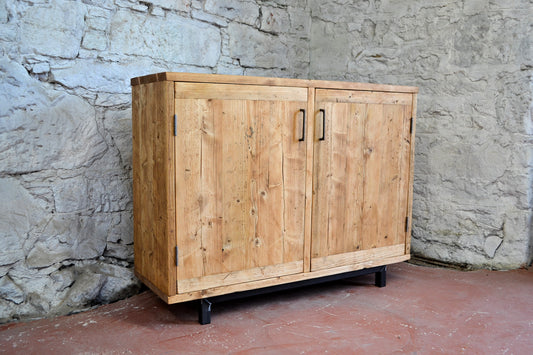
(473, 62)
(65, 127)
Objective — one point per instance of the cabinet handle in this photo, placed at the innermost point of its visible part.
(323, 124)
(303, 126)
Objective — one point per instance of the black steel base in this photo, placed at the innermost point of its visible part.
(204, 310)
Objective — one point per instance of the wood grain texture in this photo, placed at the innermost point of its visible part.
(255, 80)
(241, 276)
(240, 175)
(359, 191)
(239, 92)
(246, 202)
(359, 257)
(153, 184)
(363, 97)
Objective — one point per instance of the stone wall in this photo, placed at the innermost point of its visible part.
(473, 62)
(65, 120)
(65, 127)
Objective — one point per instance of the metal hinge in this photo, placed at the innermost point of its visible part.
(411, 127)
(406, 224)
(177, 260)
(175, 125)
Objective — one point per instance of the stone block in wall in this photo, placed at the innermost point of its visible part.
(243, 11)
(11, 291)
(46, 129)
(71, 195)
(173, 39)
(84, 290)
(210, 18)
(300, 23)
(110, 193)
(3, 12)
(119, 282)
(17, 218)
(95, 40)
(69, 236)
(61, 134)
(104, 77)
(118, 124)
(53, 29)
(275, 20)
(254, 48)
(179, 5)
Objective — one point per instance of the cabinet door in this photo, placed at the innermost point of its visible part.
(361, 177)
(240, 183)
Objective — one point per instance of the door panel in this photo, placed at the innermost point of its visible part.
(361, 172)
(240, 175)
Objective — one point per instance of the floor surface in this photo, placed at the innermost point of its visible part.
(422, 310)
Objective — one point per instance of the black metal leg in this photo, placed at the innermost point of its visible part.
(204, 312)
(381, 277)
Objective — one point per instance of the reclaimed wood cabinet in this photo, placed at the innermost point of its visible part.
(245, 183)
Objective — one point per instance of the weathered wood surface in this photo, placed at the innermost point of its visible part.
(256, 80)
(251, 285)
(154, 211)
(246, 202)
(240, 177)
(360, 173)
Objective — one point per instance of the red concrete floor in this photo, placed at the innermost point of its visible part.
(421, 311)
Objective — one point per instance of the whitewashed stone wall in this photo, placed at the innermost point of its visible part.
(65, 120)
(65, 127)
(473, 62)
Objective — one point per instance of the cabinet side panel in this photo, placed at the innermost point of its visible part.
(153, 185)
(390, 212)
(411, 176)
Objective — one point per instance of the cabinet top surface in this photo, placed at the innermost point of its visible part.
(256, 80)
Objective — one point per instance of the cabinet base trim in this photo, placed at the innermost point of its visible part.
(237, 277)
(356, 257)
(217, 291)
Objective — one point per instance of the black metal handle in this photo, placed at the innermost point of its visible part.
(303, 126)
(323, 125)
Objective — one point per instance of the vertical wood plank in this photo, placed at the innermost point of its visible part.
(216, 239)
(259, 246)
(372, 156)
(274, 205)
(293, 174)
(354, 178)
(322, 167)
(309, 175)
(249, 178)
(189, 186)
(389, 176)
(337, 178)
(210, 181)
(234, 160)
(256, 244)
